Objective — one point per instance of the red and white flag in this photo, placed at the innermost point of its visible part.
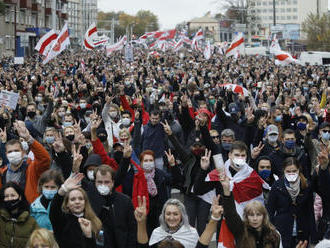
(207, 51)
(198, 36)
(178, 45)
(246, 186)
(284, 58)
(154, 53)
(46, 42)
(62, 41)
(90, 34)
(236, 44)
(83, 66)
(147, 35)
(166, 35)
(275, 46)
(117, 46)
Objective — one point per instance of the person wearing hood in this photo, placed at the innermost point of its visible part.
(93, 161)
(16, 223)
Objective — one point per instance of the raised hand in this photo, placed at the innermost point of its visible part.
(323, 158)
(96, 123)
(216, 209)
(86, 226)
(224, 180)
(127, 152)
(76, 127)
(58, 144)
(140, 212)
(170, 158)
(3, 135)
(256, 150)
(167, 128)
(77, 158)
(205, 160)
(184, 100)
(23, 132)
(73, 182)
(302, 244)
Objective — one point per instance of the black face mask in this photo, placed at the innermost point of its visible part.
(12, 204)
(70, 137)
(103, 138)
(118, 155)
(31, 114)
(234, 117)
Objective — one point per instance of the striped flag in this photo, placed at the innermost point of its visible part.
(90, 34)
(236, 44)
(46, 42)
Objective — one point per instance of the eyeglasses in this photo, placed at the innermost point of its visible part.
(215, 137)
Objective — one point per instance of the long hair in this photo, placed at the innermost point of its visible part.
(43, 235)
(294, 161)
(88, 211)
(24, 205)
(182, 209)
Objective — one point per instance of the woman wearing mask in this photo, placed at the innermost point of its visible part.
(290, 205)
(255, 230)
(74, 222)
(42, 238)
(48, 185)
(16, 224)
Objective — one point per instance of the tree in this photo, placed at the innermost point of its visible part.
(317, 29)
(2, 8)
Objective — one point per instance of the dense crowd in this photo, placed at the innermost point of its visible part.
(93, 150)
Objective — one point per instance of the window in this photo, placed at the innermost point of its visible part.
(270, 17)
(270, 10)
(295, 1)
(258, 3)
(295, 17)
(288, 9)
(295, 10)
(7, 15)
(289, 17)
(282, 17)
(264, 3)
(264, 10)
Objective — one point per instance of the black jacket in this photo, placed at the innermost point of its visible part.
(66, 227)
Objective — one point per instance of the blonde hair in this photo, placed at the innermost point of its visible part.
(43, 235)
(88, 211)
(125, 130)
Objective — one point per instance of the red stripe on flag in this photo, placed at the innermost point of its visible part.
(100, 42)
(88, 45)
(63, 37)
(248, 189)
(47, 42)
(282, 57)
(93, 30)
(236, 44)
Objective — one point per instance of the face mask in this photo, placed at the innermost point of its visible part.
(25, 145)
(272, 138)
(212, 101)
(88, 145)
(226, 146)
(325, 136)
(126, 121)
(118, 155)
(113, 114)
(291, 177)
(127, 83)
(239, 162)
(148, 166)
(67, 124)
(301, 126)
(82, 105)
(39, 98)
(90, 175)
(290, 144)
(264, 174)
(306, 88)
(70, 137)
(31, 114)
(61, 114)
(278, 118)
(49, 194)
(87, 119)
(234, 117)
(50, 140)
(103, 189)
(14, 157)
(12, 204)
(103, 138)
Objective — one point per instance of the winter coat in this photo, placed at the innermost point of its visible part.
(153, 138)
(67, 230)
(14, 233)
(282, 212)
(32, 172)
(245, 236)
(41, 214)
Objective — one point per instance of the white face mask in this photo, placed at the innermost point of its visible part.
(148, 166)
(14, 157)
(126, 121)
(291, 177)
(272, 138)
(90, 175)
(25, 145)
(103, 189)
(238, 163)
(113, 114)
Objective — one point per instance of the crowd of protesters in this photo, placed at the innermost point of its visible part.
(92, 152)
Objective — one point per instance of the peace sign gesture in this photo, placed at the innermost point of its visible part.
(58, 144)
(77, 158)
(170, 158)
(95, 123)
(167, 128)
(76, 127)
(216, 209)
(256, 150)
(205, 160)
(141, 210)
(3, 135)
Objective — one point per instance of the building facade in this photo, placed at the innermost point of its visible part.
(210, 26)
(289, 16)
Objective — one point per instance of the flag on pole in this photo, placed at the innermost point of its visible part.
(117, 46)
(275, 46)
(83, 66)
(46, 42)
(284, 58)
(207, 51)
(90, 34)
(236, 44)
(62, 41)
(178, 45)
(198, 36)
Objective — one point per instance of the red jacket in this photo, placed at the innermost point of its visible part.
(34, 170)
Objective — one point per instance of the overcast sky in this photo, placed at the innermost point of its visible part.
(169, 12)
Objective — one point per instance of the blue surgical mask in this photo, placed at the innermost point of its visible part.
(278, 118)
(49, 194)
(290, 144)
(67, 123)
(325, 136)
(264, 174)
(50, 139)
(226, 146)
(301, 126)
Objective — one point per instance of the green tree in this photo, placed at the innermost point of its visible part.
(317, 29)
(2, 8)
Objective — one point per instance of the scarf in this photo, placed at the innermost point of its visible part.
(186, 235)
(293, 188)
(152, 188)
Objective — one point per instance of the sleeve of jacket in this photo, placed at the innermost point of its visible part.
(127, 107)
(46, 116)
(121, 172)
(208, 141)
(64, 161)
(41, 161)
(98, 148)
(56, 215)
(105, 110)
(201, 187)
(233, 220)
(132, 228)
(271, 204)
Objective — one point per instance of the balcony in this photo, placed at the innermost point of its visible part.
(36, 7)
(25, 4)
(48, 11)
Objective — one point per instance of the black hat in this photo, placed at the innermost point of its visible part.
(93, 159)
